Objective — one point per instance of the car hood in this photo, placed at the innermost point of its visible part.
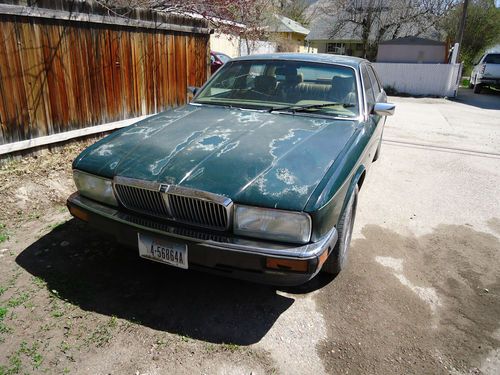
(253, 157)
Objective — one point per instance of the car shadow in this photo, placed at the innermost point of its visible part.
(487, 99)
(97, 274)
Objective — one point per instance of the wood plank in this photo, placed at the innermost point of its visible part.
(64, 136)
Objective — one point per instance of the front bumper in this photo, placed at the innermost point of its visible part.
(215, 252)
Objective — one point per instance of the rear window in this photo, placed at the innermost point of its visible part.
(492, 58)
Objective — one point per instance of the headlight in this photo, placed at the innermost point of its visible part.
(95, 187)
(272, 224)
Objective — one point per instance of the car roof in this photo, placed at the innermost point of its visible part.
(324, 58)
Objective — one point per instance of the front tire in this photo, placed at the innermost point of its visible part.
(337, 260)
(477, 88)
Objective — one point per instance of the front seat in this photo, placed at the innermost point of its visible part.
(287, 90)
(265, 85)
(342, 90)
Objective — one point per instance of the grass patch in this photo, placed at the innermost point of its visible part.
(32, 353)
(18, 300)
(465, 82)
(39, 282)
(230, 347)
(3, 327)
(15, 365)
(185, 338)
(104, 333)
(4, 236)
(64, 346)
(34, 215)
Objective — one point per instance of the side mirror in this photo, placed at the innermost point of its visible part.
(193, 90)
(384, 109)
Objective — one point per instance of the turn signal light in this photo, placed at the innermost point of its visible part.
(287, 264)
(78, 213)
(322, 258)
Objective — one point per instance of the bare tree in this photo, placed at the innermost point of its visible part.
(295, 10)
(244, 18)
(375, 20)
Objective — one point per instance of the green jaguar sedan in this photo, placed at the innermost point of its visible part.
(257, 178)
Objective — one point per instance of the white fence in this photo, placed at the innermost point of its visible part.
(421, 79)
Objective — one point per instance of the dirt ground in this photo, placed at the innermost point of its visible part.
(421, 294)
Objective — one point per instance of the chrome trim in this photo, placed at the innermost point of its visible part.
(202, 208)
(365, 103)
(219, 241)
(384, 109)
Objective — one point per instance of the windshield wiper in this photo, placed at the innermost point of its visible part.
(217, 104)
(299, 108)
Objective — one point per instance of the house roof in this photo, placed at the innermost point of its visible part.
(413, 40)
(286, 25)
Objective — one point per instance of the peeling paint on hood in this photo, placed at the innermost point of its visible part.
(257, 158)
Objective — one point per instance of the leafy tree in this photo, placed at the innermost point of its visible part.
(482, 29)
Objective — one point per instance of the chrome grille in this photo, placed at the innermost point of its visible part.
(152, 199)
(199, 211)
(142, 200)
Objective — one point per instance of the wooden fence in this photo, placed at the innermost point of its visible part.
(62, 70)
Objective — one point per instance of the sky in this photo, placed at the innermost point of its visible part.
(497, 3)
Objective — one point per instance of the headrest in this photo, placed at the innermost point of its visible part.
(343, 83)
(286, 71)
(294, 79)
(265, 83)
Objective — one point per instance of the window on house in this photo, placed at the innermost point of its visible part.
(337, 48)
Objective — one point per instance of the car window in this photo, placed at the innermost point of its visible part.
(374, 81)
(370, 97)
(264, 84)
(492, 58)
(212, 59)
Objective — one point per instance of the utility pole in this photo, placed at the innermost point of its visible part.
(462, 26)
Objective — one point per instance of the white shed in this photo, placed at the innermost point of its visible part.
(412, 49)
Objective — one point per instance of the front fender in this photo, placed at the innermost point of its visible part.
(328, 216)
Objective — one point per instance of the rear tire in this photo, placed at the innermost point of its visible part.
(337, 260)
(477, 88)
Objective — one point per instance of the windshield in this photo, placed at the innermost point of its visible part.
(492, 58)
(278, 84)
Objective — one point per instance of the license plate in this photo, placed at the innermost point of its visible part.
(163, 251)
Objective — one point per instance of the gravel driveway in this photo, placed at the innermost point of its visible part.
(421, 294)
